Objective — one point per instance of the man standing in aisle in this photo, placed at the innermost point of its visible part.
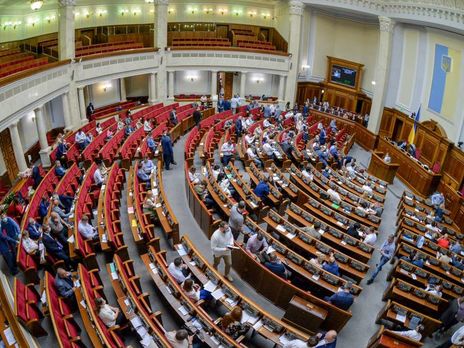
(387, 250)
(236, 219)
(234, 104)
(168, 153)
(222, 242)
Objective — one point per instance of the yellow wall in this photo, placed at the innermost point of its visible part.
(408, 68)
(347, 39)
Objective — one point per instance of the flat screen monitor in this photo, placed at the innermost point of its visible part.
(342, 75)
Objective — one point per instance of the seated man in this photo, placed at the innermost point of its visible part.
(60, 171)
(276, 266)
(251, 152)
(128, 130)
(82, 140)
(343, 298)
(202, 191)
(59, 228)
(331, 266)
(34, 229)
(87, 231)
(98, 177)
(147, 165)
(256, 244)
(55, 248)
(313, 230)
(151, 143)
(142, 176)
(179, 270)
(57, 209)
(65, 285)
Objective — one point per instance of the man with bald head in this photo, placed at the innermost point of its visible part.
(321, 340)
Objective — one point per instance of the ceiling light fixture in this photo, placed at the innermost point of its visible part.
(36, 4)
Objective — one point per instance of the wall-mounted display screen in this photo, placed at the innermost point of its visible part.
(343, 75)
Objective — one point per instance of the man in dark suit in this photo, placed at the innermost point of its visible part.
(173, 117)
(65, 285)
(8, 248)
(55, 248)
(168, 153)
(197, 117)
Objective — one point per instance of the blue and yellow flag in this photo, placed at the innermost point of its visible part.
(412, 134)
(445, 81)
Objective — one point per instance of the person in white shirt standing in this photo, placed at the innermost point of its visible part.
(227, 152)
(222, 241)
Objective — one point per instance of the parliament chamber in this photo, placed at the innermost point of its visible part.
(282, 173)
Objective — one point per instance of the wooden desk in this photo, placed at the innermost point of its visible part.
(381, 169)
(384, 338)
(411, 172)
(304, 315)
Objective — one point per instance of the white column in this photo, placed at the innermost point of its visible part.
(295, 9)
(66, 35)
(381, 73)
(152, 88)
(17, 147)
(66, 111)
(82, 107)
(74, 108)
(214, 83)
(42, 132)
(280, 95)
(171, 85)
(243, 76)
(161, 24)
(122, 89)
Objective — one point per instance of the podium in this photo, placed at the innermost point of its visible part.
(304, 315)
(381, 169)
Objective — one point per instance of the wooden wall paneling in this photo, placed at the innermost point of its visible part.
(386, 124)
(454, 166)
(6, 147)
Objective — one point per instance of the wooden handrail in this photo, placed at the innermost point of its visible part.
(234, 49)
(118, 53)
(29, 72)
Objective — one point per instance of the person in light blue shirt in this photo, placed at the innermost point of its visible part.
(267, 111)
(437, 199)
(147, 165)
(151, 144)
(387, 250)
(343, 298)
(128, 130)
(331, 266)
(143, 177)
(59, 169)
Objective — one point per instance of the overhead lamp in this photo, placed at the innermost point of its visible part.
(123, 12)
(50, 18)
(222, 11)
(36, 4)
(149, 1)
(373, 83)
(252, 14)
(237, 12)
(101, 12)
(266, 15)
(207, 10)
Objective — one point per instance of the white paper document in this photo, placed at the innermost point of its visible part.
(210, 286)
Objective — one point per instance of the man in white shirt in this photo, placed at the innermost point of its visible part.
(222, 241)
(147, 165)
(82, 140)
(307, 173)
(367, 189)
(334, 196)
(98, 177)
(234, 104)
(412, 334)
(267, 123)
(250, 139)
(147, 126)
(267, 148)
(87, 231)
(178, 270)
(227, 152)
(251, 152)
(371, 237)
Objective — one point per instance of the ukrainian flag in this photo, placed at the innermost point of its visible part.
(445, 81)
(412, 134)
